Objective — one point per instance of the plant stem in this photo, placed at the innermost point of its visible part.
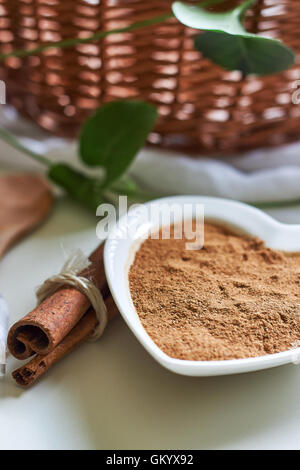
(101, 34)
(74, 41)
(11, 140)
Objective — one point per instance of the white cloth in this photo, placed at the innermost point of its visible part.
(262, 176)
(270, 175)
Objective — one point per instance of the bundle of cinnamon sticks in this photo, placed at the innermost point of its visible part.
(58, 325)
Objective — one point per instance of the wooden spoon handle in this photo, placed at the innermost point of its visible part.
(25, 201)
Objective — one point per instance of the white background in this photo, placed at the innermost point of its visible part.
(113, 395)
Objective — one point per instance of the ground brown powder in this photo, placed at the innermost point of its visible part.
(234, 298)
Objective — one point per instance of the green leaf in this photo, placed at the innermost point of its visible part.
(229, 45)
(126, 186)
(197, 17)
(80, 187)
(89, 191)
(250, 55)
(112, 137)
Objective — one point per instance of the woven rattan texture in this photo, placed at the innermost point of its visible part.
(202, 107)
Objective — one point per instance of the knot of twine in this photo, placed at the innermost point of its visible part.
(76, 263)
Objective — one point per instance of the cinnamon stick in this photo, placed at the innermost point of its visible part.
(27, 374)
(45, 327)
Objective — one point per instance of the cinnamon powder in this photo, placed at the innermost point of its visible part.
(232, 299)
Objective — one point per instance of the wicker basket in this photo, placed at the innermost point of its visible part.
(202, 107)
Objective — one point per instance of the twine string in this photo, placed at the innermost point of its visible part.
(68, 276)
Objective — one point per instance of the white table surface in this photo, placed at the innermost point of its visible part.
(112, 395)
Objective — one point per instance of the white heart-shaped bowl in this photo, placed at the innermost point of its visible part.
(119, 254)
